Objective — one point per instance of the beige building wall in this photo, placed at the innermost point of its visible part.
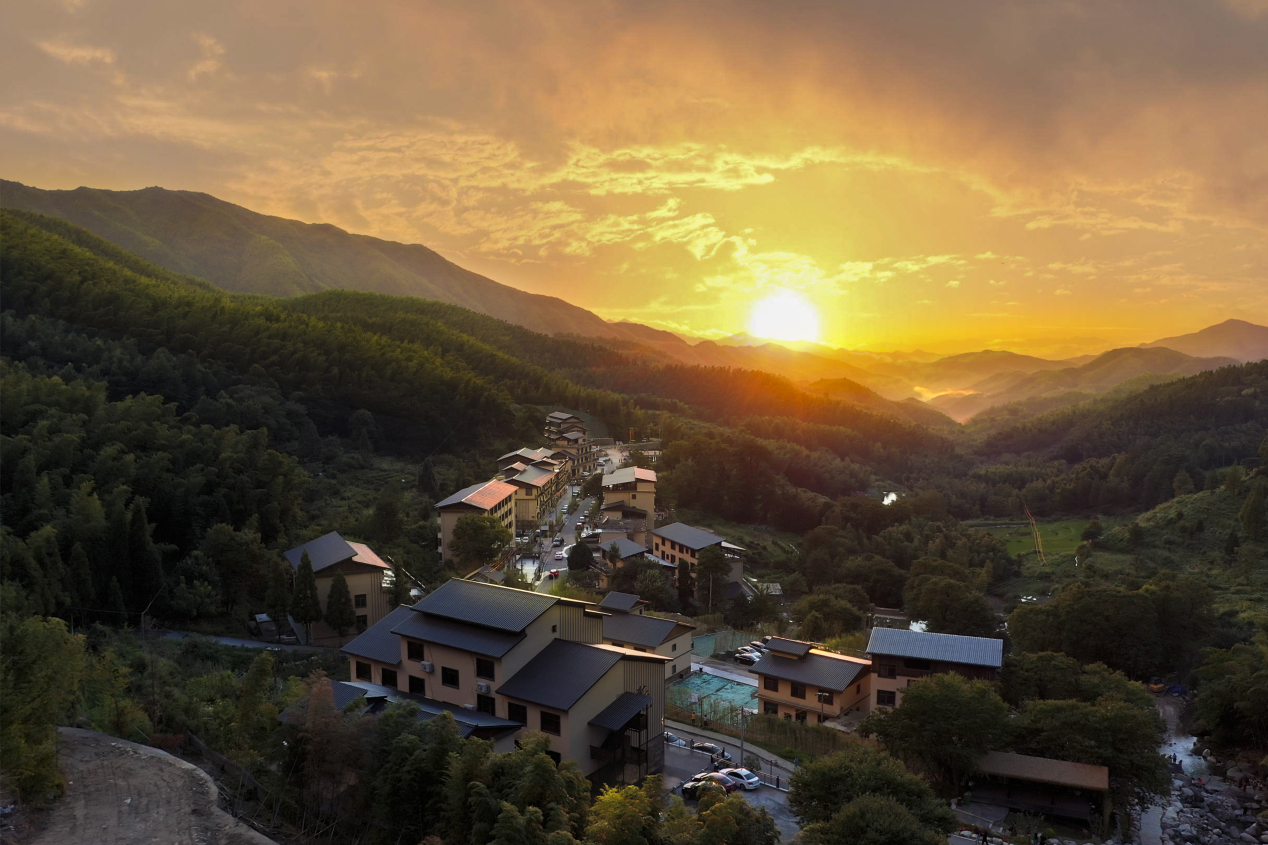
(362, 580)
(678, 650)
(504, 511)
(856, 697)
(580, 734)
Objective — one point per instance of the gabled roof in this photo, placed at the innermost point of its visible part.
(628, 475)
(536, 476)
(560, 674)
(560, 416)
(683, 534)
(484, 495)
(796, 648)
(818, 668)
(948, 648)
(633, 629)
(364, 554)
(473, 638)
(573, 435)
(625, 548)
(326, 550)
(502, 608)
(618, 714)
(624, 602)
(378, 642)
(1045, 770)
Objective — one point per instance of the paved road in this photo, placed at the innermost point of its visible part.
(682, 764)
(180, 635)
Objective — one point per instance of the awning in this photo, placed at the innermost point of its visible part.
(619, 713)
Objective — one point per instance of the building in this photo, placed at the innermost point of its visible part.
(803, 683)
(611, 551)
(562, 422)
(1057, 788)
(628, 626)
(633, 491)
(582, 449)
(488, 498)
(680, 542)
(533, 659)
(370, 579)
(900, 657)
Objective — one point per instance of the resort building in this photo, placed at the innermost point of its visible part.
(370, 579)
(628, 626)
(488, 498)
(680, 542)
(803, 683)
(901, 656)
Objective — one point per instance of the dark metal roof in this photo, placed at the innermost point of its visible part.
(473, 638)
(818, 670)
(624, 602)
(379, 642)
(504, 608)
(693, 538)
(633, 629)
(468, 720)
(325, 551)
(560, 674)
(625, 547)
(618, 714)
(948, 648)
(784, 646)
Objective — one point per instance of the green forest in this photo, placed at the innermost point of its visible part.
(163, 441)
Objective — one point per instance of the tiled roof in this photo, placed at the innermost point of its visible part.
(503, 608)
(784, 646)
(366, 555)
(693, 538)
(618, 714)
(1044, 770)
(633, 629)
(560, 674)
(473, 638)
(628, 475)
(560, 416)
(325, 551)
(485, 495)
(624, 602)
(816, 669)
(378, 642)
(625, 547)
(948, 648)
(574, 435)
(536, 476)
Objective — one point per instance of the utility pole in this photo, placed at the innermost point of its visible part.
(743, 713)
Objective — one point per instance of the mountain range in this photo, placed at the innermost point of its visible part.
(243, 251)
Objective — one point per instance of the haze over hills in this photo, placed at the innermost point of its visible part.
(1232, 338)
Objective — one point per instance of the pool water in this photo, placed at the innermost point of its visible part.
(717, 692)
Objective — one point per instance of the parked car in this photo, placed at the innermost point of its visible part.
(748, 658)
(559, 555)
(743, 777)
(670, 739)
(727, 783)
(751, 650)
(711, 749)
(691, 789)
(759, 645)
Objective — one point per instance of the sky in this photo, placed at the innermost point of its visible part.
(1051, 177)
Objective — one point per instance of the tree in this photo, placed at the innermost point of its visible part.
(1233, 479)
(872, 820)
(712, 570)
(306, 603)
(818, 789)
(1093, 531)
(1231, 543)
(277, 600)
(478, 540)
(1252, 515)
(580, 557)
(949, 606)
(340, 614)
(628, 815)
(654, 587)
(730, 820)
(813, 628)
(1182, 484)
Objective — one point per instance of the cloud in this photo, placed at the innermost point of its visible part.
(1061, 292)
(954, 283)
(76, 54)
(212, 54)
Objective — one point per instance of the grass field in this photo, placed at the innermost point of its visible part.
(1058, 537)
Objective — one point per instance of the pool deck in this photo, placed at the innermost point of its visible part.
(722, 673)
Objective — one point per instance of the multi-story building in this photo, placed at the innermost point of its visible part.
(629, 494)
(804, 683)
(583, 451)
(627, 626)
(901, 656)
(561, 422)
(488, 498)
(680, 542)
(534, 660)
(370, 579)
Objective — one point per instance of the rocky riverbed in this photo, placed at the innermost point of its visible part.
(1211, 810)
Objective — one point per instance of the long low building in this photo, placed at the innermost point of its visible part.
(533, 659)
(804, 683)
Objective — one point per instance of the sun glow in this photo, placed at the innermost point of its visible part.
(785, 316)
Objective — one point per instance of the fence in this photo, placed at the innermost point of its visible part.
(707, 645)
(783, 734)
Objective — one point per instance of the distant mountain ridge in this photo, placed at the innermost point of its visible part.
(1238, 339)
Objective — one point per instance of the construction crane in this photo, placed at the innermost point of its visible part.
(1034, 530)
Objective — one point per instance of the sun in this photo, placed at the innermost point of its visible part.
(785, 316)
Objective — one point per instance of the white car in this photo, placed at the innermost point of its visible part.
(743, 777)
(670, 739)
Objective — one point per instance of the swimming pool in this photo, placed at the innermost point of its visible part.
(717, 694)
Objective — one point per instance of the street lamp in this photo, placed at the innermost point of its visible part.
(822, 696)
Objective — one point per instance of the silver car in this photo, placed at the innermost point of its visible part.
(743, 777)
(670, 739)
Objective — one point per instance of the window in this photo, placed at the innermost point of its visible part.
(886, 698)
(550, 723)
(555, 756)
(912, 663)
(417, 685)
(517, 713)
(770, 683)
(554, 629)
(674, 647)
(887, 670)
(798, 691)
(801, 715)
(619, 645)
(362, 623)
(858, 689)
(363, 671)
(487, 704)
(770, 708)
(414, 650)
(449, 677)
(484, 668)
(824, 696)
(673, 669)
(358, 600)
(389, 678)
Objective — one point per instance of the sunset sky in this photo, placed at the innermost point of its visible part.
(1051, 177)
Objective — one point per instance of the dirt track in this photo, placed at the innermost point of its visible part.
(120, 793)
